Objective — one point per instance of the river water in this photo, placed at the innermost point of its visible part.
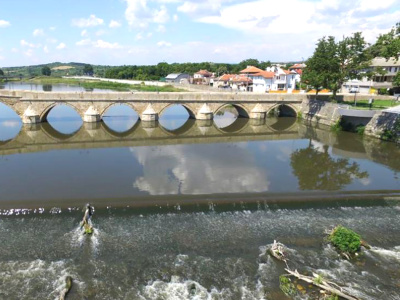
(186, 209)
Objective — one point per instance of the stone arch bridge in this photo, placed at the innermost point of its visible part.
(33, 107)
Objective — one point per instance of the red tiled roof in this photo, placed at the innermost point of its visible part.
(251, 69)
(204, 73)
(264, 74)
(297, 66)
(241, 79)
(226, 77)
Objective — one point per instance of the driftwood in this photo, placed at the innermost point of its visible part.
(67, 288)
(324, 284)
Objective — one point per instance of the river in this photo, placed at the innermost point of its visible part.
(186, 209)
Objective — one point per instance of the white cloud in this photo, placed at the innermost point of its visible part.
(84, 33)
(52, 28)
(51, 40)
(14, 50)
(139, 36)
(161, 15)
(61, 46)
(100, 32)
(27, 44)
(2, 57)
(161, 28)
(45, 49)
(11, 124)
(149, 35)
(29, 52)
(106, 45)
(38, 32)
(164, 44)
(4, 23)
(114, 24)
(175, 18)
(89, 22)
(138, 14)
(84, 42)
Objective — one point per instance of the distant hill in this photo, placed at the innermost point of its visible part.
(57, 69)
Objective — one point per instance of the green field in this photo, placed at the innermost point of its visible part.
(377, 104)
(106, 85)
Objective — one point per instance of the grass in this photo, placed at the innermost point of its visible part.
(105, 85)
(377, 104)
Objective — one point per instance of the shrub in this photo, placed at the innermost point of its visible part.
(346, 240)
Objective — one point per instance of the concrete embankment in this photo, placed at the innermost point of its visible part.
(377, 122)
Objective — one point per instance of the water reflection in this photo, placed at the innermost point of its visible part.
(174, 117)
(315, 169)
(120, 118)
(47, 87)
(64, 119)
(10, 123)
(199, 170)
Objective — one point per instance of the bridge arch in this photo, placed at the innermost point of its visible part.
(44, 114)
(288, 109)
(242, 111)
(128, 104)
(190, 110)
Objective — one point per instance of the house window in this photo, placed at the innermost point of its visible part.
(281, 86)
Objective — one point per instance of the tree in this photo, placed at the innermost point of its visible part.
(46, 71)
(333, 63)
(387, 45)
(88, 70)
(1, 72)
(396, 80)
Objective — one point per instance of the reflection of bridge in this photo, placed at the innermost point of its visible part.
(33, 107)
(43, 137)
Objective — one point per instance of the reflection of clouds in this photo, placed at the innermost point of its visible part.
(200, 169)
(318, 146)
(284, 153)
(365, 181)
(11, 124)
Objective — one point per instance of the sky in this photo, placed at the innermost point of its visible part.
(143, 32)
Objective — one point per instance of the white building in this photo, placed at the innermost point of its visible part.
(385, 81)
(272, 79)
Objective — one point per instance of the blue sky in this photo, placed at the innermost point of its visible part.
(118, 32)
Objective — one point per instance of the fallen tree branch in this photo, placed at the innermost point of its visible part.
(67, 288)
(325, 285)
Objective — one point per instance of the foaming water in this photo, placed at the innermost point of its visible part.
(193, 255)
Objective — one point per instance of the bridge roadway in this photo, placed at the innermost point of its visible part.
(33, 107)
(42, 137)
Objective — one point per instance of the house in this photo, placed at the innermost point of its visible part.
(223, 81)
(385, 81)
(272, 79)
(298, 68)
(177, 78)
(234, 82)
(202, 77)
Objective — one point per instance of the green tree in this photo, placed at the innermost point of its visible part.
(88, 70)
(333, 63)
(396, 80)
(387, 45)
(46, 71)
(1, 72)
